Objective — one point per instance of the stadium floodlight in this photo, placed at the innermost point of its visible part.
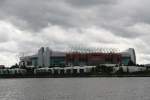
(80, 49)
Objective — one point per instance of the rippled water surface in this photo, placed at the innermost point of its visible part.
(75, 89)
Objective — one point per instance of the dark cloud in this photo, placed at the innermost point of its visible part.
(28, 24)
(38, 14)
(112, 15)
(88, 3)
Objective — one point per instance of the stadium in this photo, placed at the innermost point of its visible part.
(46, 57)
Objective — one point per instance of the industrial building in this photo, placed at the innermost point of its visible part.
(49, 58)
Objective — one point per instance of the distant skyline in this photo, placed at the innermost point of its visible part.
(27, 25)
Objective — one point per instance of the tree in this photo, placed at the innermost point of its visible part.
(120, 71)
(127, 70)
(104, 69)
(131, 63)
(14, 66)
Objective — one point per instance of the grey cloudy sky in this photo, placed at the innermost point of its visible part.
(26, 25)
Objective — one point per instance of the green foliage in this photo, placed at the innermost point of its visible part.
(131, 63)
(120, 71)
(14, 66)
(104, 69)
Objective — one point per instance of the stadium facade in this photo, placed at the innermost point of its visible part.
(49, 58)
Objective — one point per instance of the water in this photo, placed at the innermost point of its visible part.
(75, 89)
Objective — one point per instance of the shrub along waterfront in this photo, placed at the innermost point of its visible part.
(107, 70)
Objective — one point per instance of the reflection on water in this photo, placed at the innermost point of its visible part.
(75, 89)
